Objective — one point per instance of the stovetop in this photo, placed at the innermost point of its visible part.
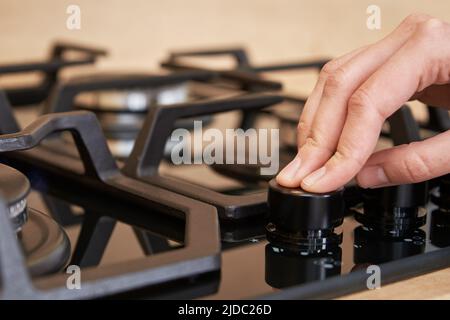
(106, 199)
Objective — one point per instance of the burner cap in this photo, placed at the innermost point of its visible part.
(45, 244)
(14, 189)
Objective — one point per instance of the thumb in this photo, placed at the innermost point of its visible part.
(409, 163)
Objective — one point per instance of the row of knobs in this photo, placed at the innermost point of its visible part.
(303, 218)
(304, 242)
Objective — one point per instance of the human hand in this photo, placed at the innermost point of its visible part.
(342, 119)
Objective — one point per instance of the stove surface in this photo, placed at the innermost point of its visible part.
(136, 225)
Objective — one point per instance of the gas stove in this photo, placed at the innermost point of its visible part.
(93, 206)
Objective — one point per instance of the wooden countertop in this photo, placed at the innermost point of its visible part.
(435, 285)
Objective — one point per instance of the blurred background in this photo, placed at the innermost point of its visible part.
(139, 33)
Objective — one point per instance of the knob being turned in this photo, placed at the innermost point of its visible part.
(300, 217)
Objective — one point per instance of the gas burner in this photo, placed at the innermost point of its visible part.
(45, 244)
(122, 113)
(132, 100)
(15, 188)
(144, 227)
(102, 177)
(121, 101)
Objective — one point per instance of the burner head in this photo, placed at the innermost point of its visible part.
(300, 217)
(14, 188)
(44, 243)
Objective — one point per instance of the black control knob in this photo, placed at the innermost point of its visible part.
(395, 211)
(300, 217)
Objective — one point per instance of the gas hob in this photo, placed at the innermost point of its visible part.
(88, 187)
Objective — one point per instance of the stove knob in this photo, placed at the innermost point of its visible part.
(395, 211)
(296, 213)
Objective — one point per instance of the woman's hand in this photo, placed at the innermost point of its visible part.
(342, 119)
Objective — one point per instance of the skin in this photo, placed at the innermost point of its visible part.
(342, 119)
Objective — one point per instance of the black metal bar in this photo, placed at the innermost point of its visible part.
(403, 126)
(151, 244)
(46, 66)
(200, 253)
(355, 281)
(313, 64)
(66, 93)
(92, 240)
(238, 54)
(8, 123)
(37, 93)
(61, 211)
(439, 119)
(87, 133)
(60, 47)
(246, 81)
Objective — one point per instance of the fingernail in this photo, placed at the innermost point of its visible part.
(372, 176)
(291, 169)
(314, 177)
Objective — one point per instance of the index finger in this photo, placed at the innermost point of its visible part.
(375, 100)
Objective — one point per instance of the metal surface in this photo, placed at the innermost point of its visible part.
(161, 209)
(200, 254)
(45, 245)
(148, 152)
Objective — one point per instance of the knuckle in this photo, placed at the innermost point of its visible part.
(360, 103)
(313, 141)
(415, 18)
(335, 82)
(346, 154)
(415, 167)
(431, 29)
(302, 126)
(329, 67)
